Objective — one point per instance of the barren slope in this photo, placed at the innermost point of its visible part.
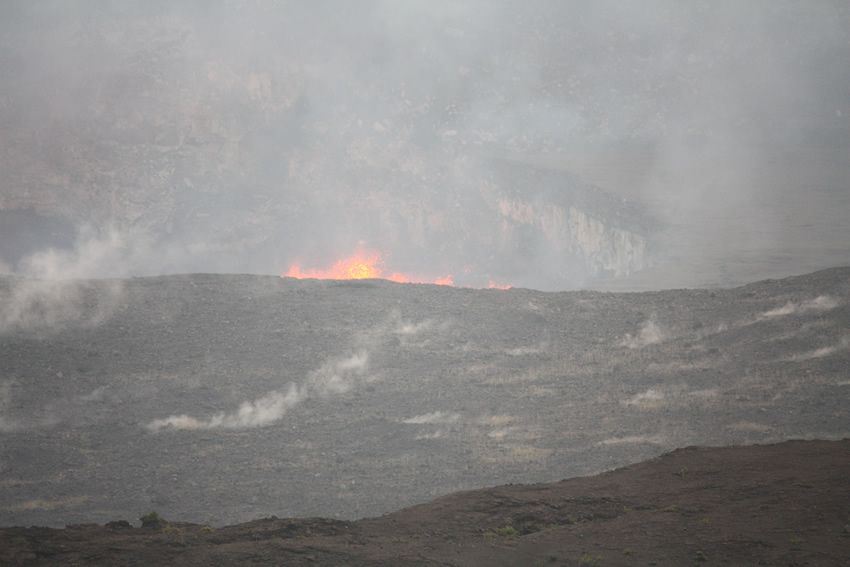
(780, 504)
(227, 398)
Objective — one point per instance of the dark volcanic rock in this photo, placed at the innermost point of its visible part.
(227, 398)
(779, 504)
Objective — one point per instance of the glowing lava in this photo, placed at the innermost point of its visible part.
(357, 267)
(360, 265)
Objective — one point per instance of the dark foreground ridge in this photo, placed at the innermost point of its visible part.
(782, 504)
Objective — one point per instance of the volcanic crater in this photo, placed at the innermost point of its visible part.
(226, 398)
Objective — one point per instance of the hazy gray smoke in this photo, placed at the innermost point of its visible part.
(263, 411)
(433, 417)
(52, 296)
(650, 334)
(52, 305)
(335, 376)
(237, 136)
(842, 345)
(820, 303)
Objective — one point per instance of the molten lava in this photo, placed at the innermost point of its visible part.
(360, 265)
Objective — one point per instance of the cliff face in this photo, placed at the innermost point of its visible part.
(243, 136)
(606, 249)
(149, 124)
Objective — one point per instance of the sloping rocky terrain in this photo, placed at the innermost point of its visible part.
(541, 145)
(222, 399)
(783, 504)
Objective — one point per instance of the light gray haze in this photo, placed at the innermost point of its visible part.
(549, 144)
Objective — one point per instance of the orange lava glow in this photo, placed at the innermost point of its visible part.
(358, 266)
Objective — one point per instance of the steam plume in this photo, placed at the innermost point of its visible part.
(332, 377)
(820, 303)
(650, 334)
(336, 376)
(53, 296)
